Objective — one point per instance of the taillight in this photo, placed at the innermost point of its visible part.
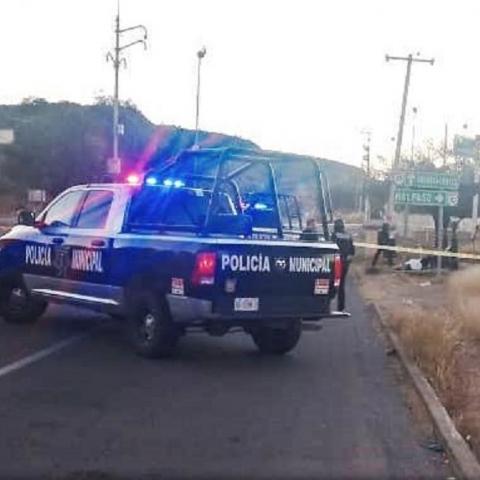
(337, 270)
(204, 270)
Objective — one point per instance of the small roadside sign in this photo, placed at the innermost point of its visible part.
(407, 196)
(114, 166)
(37, 196)
(7, 136)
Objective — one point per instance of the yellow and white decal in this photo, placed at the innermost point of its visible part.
(178, 287)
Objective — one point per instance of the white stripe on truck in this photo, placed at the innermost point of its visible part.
(225, 241)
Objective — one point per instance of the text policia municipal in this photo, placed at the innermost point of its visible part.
(264, 263)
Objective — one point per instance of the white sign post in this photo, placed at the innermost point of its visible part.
(440, 238)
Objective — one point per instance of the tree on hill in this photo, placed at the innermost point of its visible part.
(62, 144)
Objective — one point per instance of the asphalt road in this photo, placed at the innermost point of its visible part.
(332, 409)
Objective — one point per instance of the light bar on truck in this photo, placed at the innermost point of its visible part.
(133, 179)
(170, 182)
(151, 180)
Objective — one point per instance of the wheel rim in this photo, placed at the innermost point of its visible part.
(147, 327)
(18, 299)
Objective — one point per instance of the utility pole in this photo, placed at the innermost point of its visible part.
(396, 162)
(406, 210)
(114, 166)
(200, 54)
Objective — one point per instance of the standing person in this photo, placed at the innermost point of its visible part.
(310, 232)
(347, 251)
(383, 238)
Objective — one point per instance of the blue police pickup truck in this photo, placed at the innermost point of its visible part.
(208, 241)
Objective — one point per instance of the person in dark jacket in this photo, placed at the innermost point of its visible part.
(347, 251)
(383, 238)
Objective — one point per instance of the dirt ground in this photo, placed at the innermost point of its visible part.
(438, 322)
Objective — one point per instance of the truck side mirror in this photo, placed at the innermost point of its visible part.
(25, 217)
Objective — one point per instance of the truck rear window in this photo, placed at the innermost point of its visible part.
(183, 207)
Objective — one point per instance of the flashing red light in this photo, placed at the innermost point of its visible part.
(204, 271)
(133, 179)
(337, 270)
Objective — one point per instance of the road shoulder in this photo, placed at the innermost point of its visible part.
(464, 461)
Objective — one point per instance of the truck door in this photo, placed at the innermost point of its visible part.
(89, 248)
(44, 255)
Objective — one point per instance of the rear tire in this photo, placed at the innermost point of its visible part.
(18, 306)
(276, 340)
(151, 330)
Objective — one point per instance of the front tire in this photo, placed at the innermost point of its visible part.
(151, 330)
(276, 340)
(18, 306)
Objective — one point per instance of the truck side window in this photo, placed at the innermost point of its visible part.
(95, 209)
(185, 208)
(63, 211)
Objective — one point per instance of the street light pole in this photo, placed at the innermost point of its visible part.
(410, 59)
(200, 55)
(114, 166)
(116, 67)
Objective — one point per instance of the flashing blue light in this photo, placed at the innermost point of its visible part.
(151, 181)
(168, 182)
(260, 206)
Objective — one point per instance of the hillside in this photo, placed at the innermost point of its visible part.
(62, 144)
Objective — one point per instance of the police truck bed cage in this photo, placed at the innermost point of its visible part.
(238, 185)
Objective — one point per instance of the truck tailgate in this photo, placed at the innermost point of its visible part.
(274, 279)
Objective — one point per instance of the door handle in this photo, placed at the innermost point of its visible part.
(58, 240)
(97, 243)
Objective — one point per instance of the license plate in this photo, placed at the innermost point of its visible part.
(245, 305)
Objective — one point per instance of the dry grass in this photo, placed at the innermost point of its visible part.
(439, 326)
(445, 343)
(433, 339)
(464, 296)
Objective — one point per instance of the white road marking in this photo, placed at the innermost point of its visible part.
(35, 357)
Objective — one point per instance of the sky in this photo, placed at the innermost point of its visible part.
(300, 76)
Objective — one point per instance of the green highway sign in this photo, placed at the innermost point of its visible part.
(427, 180)
(407, 196)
